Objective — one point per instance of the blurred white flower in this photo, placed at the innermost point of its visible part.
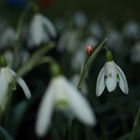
(21, 58)
(69, 41)
(80, 19)
(9, 56)
(131, 30)
(90, 41)
(6, 78)
(7, 37)
(41, 30)
(62, 95)
(135, 53)
(114, 40)
(109, 76)
(60, 24)
(78, 60)
(96, 30)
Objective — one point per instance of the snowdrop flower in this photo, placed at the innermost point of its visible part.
(7, 76)
(80, 19)
(96, 30)
(109, 76)
(69, 41)
(78, 60)
(131, 30)
(62, 95)
(135, 53)
(8, 37)
(40, 30)
(114, 40)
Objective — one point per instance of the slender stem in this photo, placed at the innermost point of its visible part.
(136, 124)
(17, 44)
(68, 130)
(86, 67)
(89, 62)
(36, 59)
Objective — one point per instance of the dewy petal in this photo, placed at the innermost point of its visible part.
(100, 84)
(79, 105)
(22, 83)
(45, 113)
(111, 76)
(122, 80)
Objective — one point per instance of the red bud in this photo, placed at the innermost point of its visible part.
(89, 50)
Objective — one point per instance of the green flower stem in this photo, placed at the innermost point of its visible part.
(17, 44)
(37, 59)
(68, 130)
(136, 124)
(89, 62)
(86, 68)
(21, 21)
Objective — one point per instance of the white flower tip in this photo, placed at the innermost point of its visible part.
(25, 88)
(98, 92)
(39, 132)
(91, 121)
(28, 95)
(111, 84)
(122, 80)
(126, 90)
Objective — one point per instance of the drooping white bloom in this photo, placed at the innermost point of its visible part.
(40, 30)
(69, 41)
(62, 95)
(6, 77)
(80, 19)
(109, 76)
(131, 30)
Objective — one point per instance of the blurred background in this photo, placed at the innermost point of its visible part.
(78, 24)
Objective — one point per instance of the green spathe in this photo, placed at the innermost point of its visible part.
(108, 56)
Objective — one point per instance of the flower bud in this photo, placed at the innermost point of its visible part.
(89, 50)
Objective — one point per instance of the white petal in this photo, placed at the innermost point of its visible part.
(122, 81)
(37, 33)
(24, 86)
(100, 84)
(111, 84)
(45, 113)
(22, 83)
(50, 27)
(79, 105)
(3, 91)
(111, 76)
